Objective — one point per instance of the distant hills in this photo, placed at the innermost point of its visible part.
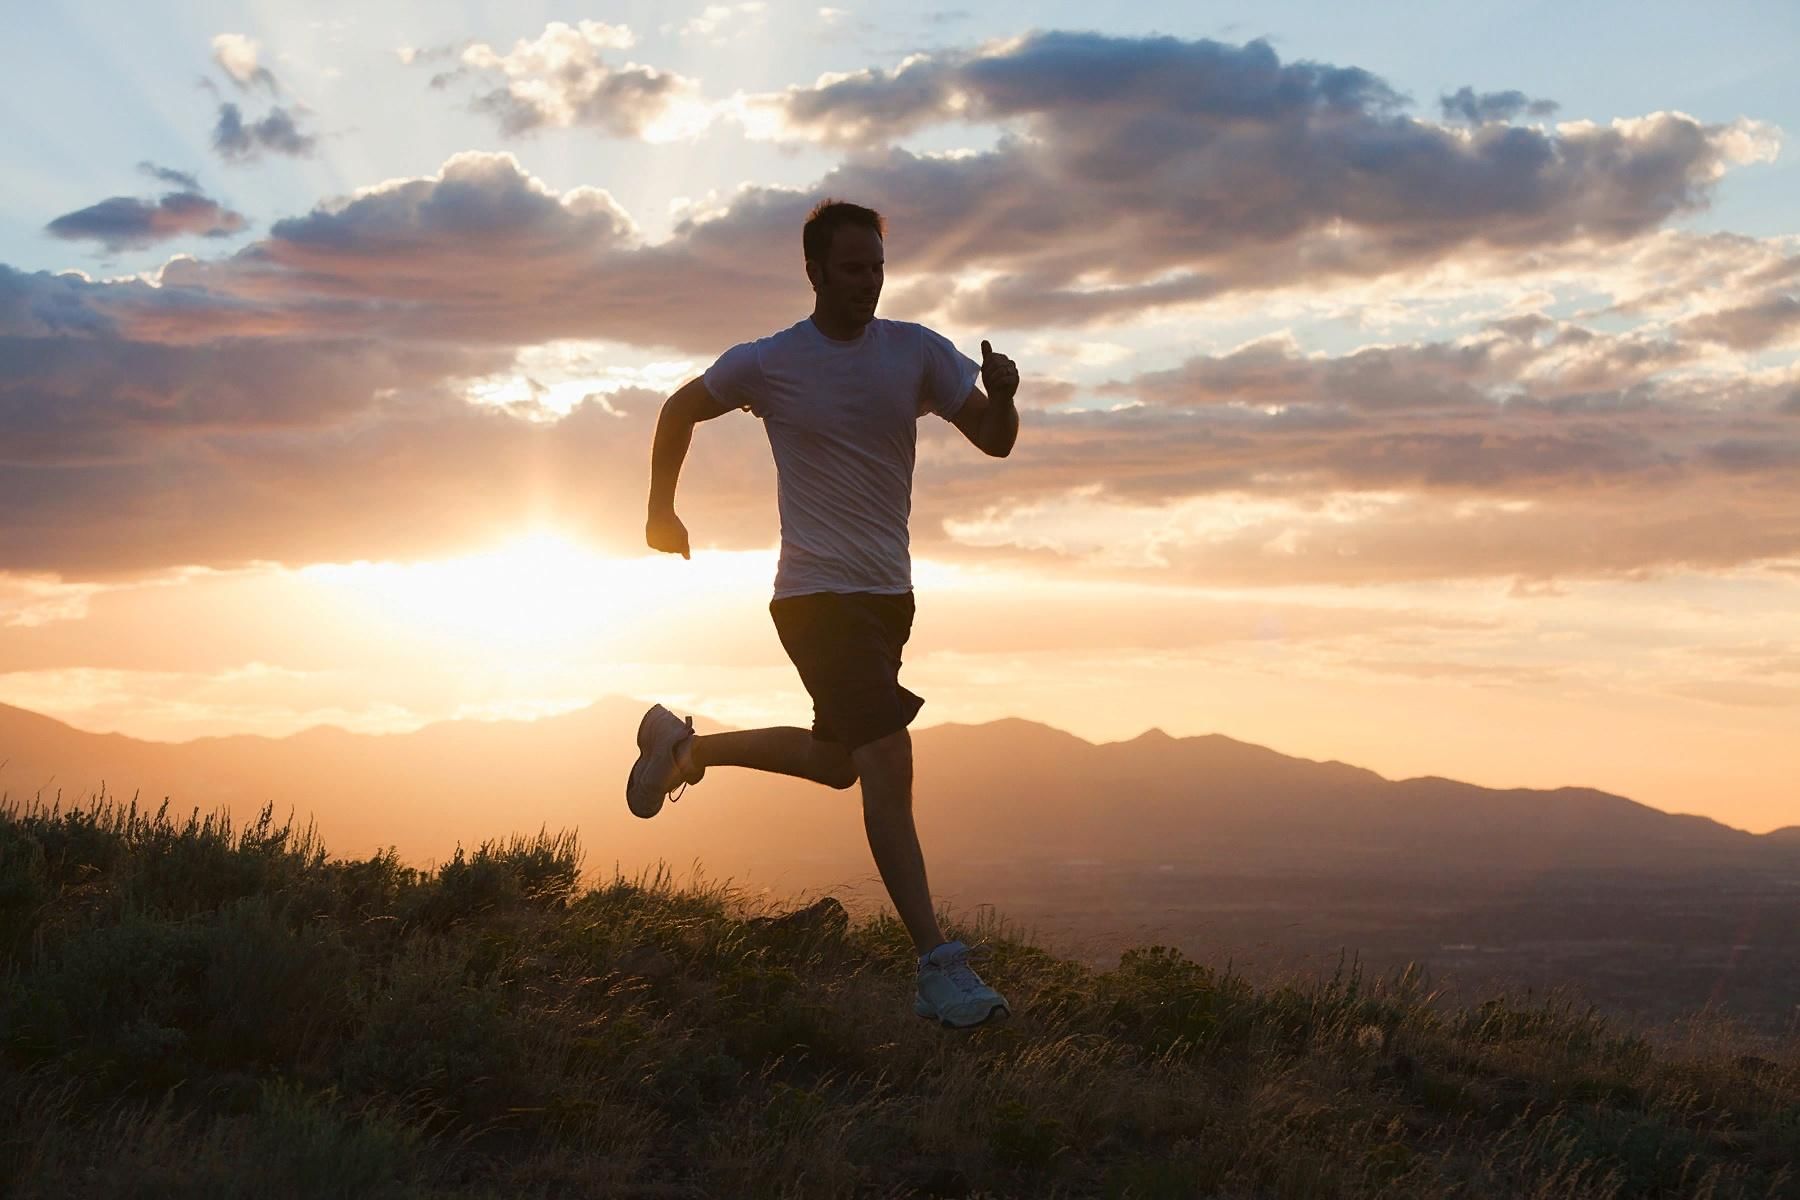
(1009, 790)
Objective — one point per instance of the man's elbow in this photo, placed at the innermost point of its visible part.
(999, 442)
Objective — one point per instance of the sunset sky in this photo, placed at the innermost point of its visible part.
(1412, 385)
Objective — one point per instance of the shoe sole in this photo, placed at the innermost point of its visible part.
(995, 1015)
(631, 779)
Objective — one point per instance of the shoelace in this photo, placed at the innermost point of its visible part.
(675, 753)
(958, 967)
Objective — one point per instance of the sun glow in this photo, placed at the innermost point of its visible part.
(529, 594)
(543, 594)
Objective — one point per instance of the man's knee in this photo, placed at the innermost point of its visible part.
(887, 759)
(833, 766)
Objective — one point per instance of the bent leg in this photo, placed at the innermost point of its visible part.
(886, 769)
(784, 750)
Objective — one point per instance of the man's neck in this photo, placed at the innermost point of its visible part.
(836, 333)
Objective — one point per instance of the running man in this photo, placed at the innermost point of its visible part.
(840, 395)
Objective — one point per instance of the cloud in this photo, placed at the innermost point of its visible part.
(1534, 450)
(485, 197)
(410, 55)
(309, 396)
(181, 179)
(1756, 456)
(119, 456)
(1718, 288)
(1116, 79)
(128, 223)
(1273, 373)
(841, 27)
(1477, 109)
(561, 80)
(713, 19)
(1251, 172)
(99, 400)
(1350, 537)
(1526, 362)
(278, 133)
(319, 375)
(237, 57)
(415, 473)
(1768, 321)
(302, 400)
(41, 305)
(483, 252)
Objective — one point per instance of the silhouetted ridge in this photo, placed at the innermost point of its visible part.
(1013, 787)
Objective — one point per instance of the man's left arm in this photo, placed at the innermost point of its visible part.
(991, 420)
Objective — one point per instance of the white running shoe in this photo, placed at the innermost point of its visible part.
(952, 994)
(657, 770)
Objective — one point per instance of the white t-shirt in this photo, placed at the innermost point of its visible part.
(842, 419)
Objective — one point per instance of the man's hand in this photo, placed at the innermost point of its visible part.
(999, 376)
(664, 531)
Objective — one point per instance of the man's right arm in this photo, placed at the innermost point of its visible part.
(690, 405)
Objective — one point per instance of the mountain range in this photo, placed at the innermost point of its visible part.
(1009, 791)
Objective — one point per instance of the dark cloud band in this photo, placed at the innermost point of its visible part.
(1466, 104)
(277, 133)
(128, 223)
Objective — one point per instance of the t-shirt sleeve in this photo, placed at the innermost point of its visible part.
(949, 376)
(736, 379)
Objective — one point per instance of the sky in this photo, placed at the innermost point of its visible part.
(1400, 384)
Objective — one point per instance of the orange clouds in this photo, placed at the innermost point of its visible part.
(309, 397)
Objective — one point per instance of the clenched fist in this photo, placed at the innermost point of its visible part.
(664, 531)
(999, 375)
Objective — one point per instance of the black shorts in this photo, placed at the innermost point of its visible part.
(846, 646)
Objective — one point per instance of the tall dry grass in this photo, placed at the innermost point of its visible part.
(194, 1011)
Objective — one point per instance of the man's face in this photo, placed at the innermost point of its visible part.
(851, 279)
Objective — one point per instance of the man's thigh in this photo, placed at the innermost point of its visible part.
(888, 757)
(847, 651)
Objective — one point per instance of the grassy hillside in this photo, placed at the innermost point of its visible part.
(189, 1010)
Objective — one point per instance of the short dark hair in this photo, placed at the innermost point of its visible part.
(827, 218)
